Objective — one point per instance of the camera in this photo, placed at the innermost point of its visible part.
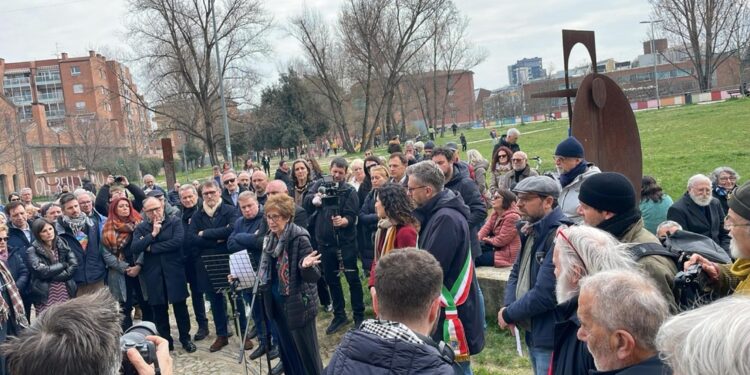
(693, 277)
(135, 337)
(119, 179)
(332, 191)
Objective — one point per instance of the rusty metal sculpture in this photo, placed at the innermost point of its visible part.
(602, 119)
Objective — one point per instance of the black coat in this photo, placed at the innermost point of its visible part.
(216, 231)
(693, 219)
(301, 305)
(651, 366)
(45, 270)
(163, 265)
(572, 356)
(445, 234)
(320, 220)
(364, 353)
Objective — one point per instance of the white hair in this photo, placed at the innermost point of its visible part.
(697, 178)
(513, 131)
(710, 340)
(589, 251)
(78, 192)
(627, 300)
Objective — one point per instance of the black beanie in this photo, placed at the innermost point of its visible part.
(569, 148)
(608, 191)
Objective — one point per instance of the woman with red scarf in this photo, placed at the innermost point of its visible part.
(123, 282)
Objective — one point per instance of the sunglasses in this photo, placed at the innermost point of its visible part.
(230, 181)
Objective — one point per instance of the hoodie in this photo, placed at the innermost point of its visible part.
(465, 187)
(445, 234)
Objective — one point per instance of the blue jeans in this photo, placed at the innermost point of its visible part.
(540, 359)
(466, 366)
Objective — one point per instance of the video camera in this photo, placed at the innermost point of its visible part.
(331, 192)
(135, 337)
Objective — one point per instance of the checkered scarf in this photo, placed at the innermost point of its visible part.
(390, 330)
(15, 299)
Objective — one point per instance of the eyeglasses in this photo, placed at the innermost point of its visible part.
(4, 239)
(273, 217)
(411, 190)
(229, 181)
(561, 233)
(729, 224)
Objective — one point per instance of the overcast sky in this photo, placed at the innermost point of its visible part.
(508, 29)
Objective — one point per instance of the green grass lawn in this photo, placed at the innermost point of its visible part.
(677, 143)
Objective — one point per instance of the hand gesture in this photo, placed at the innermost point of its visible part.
(311, 260)
(156, 229)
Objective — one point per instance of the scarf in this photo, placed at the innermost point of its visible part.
(15, 299)
(77, 224)
(211, 211)
(385, 238)
(116, 235)
(568, 177)
(274, 247)
(741, 270)
(619, 224)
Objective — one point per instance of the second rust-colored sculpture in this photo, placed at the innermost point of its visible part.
(602, 118)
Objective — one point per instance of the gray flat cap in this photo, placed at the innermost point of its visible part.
(541, 185)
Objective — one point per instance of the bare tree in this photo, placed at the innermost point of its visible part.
(704, 30)
(174, 41)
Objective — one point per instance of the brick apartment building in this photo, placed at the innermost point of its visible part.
(61, 106)
(455, 99)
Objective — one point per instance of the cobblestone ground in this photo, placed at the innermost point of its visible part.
(225, 361)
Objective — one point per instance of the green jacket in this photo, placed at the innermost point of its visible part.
(661, 269)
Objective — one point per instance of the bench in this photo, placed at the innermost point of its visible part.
(492, 282)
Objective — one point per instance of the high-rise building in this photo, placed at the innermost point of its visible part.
(526, 70)
(51, 97)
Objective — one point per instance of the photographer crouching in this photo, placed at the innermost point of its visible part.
(728, 279)
(83, 337)
(333, 205)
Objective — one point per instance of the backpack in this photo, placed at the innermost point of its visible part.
(691, 287)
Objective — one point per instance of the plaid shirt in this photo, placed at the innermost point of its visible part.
(390, 330)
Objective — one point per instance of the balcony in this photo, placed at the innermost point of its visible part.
(15, 82)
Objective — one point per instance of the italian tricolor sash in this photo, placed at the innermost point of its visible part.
(453, 330)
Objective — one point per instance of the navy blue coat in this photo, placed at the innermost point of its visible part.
(18, 262)
(368, 224)
(539, 303)
(163, 271)
(468, 189)
(91, 266)
(245, 237)
(216, 231)
(364, 353)
(445, 234)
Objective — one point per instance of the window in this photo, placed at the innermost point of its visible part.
(78, 89)
(75, 70)
(80, 106)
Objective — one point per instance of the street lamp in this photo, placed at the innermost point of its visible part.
(653, 52)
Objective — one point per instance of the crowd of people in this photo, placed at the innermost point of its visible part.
(595, 283)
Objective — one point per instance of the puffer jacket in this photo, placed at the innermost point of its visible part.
(45, 270)
(301, 305)
(505, 240)
(364, 353)
(568, 200)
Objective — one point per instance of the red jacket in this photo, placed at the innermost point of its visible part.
(406, 236)
(504, 236)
